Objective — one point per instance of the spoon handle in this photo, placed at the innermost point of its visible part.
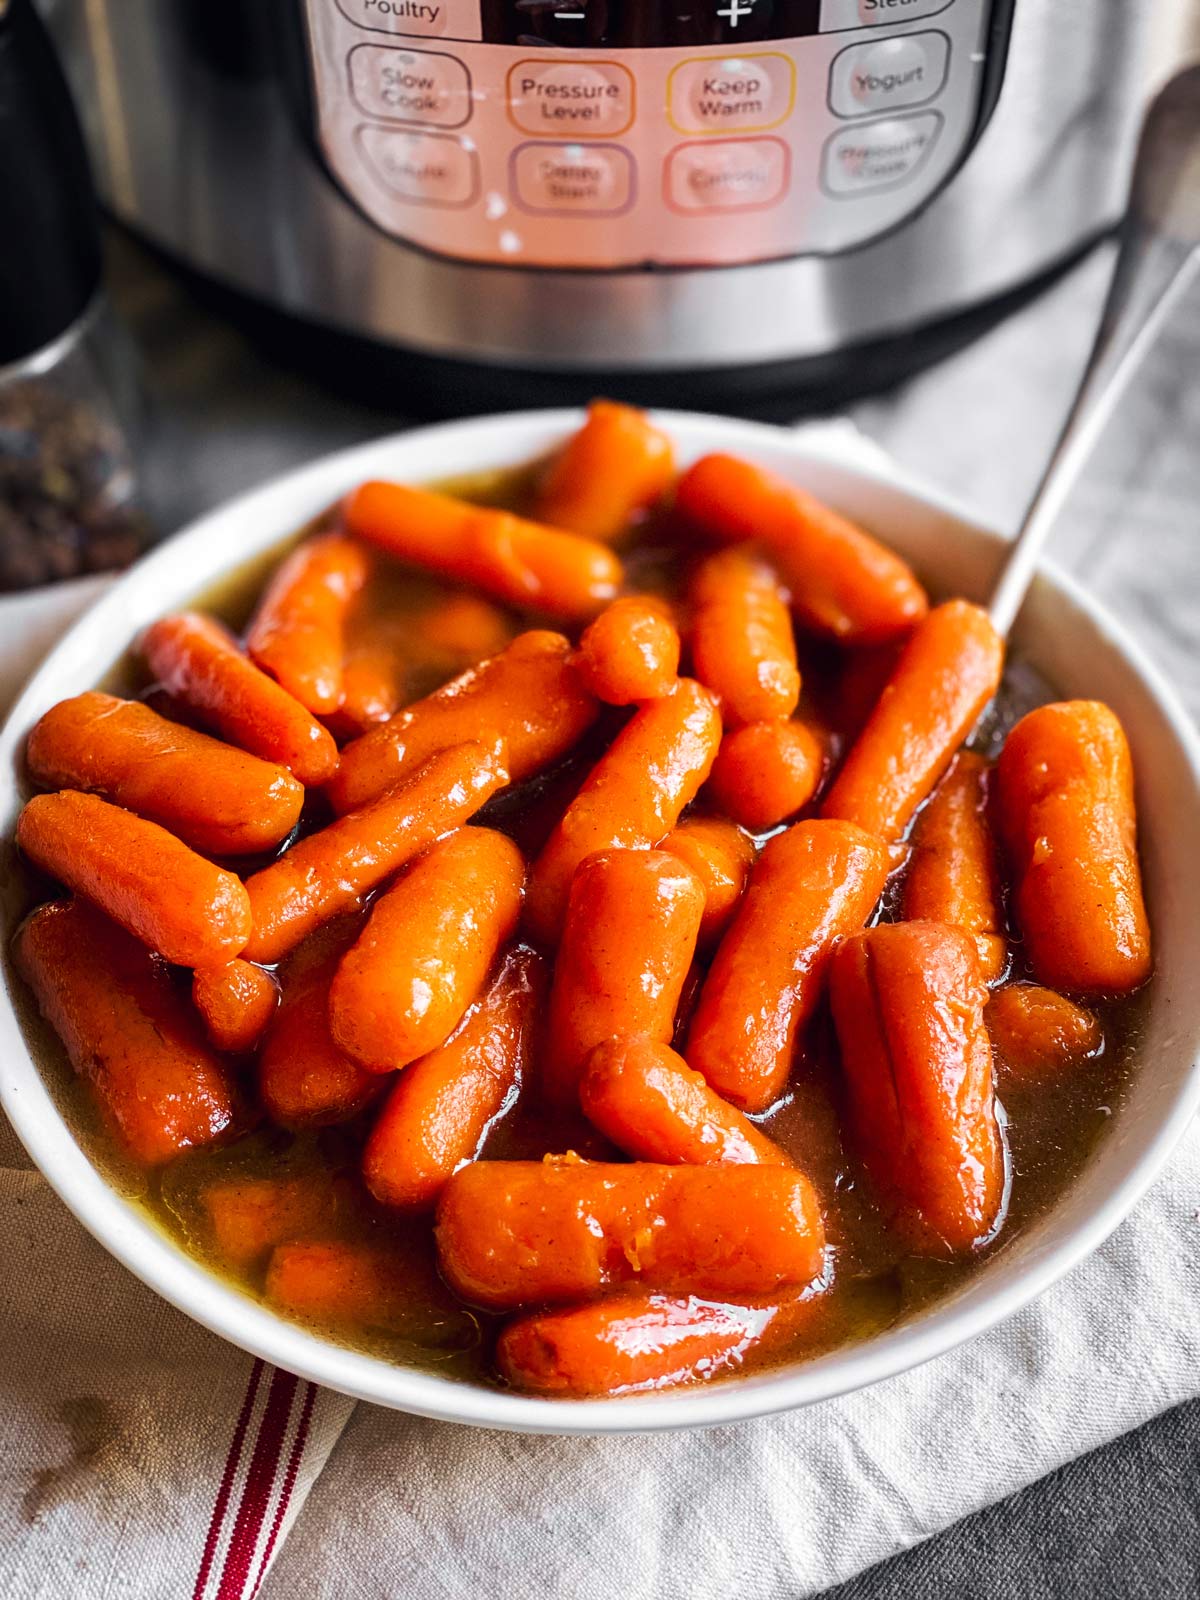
(1157, 264)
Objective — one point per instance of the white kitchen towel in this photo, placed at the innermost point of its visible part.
(141, 1457)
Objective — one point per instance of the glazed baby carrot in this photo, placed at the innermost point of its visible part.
(298, 632)
(720, 855)
(247, 1216)
(522, 563)
(372, 689)
(631, 652)
(633, 796)
(765, 772)
(218, 799)
(953, 875)
(158, 1085)
(391, 1286)
(1037, 1033)
(810, 887)
(654, 1107)
(331, 870)
(615, 466)
(908, 1001)
(1067, 820)
(461, 629)
(530, 695)
(628, 941)
(630, 1342)
(304, 1080)
(198, 662)
(441, 1106)
(513, 1233)
(237, 1001)
(844, 584)
(425, 952)
(189, 911)
(947, 673)
(742, 644)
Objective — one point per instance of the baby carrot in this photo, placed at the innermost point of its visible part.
(424, 954)
(530, 695)
(189, 911)
(298, 632)
(441, 1107)
(629, 937)
(631, 652)
(1067, 819)
(237, 1001)
(953, 875)
(221, 801)
(654, 1107)
(460, 630)
(331, 870)
(908, 1002)
(742, 644)
(197, 660)
(158, 1085)
(523, 563)
(947, 673)
(766, 772)
(304, 1080)
(373, 679)
(630, 1342)
(721, 856)
(391, 1287)
(513, 1233)
(633, 796)
(810, 887)
(844, 583)
(615, 466)
(1038, 1033)
(247, 1216)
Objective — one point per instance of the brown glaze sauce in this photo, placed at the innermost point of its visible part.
(1052, 1128)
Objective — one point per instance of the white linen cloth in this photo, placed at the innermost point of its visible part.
(142, 1457)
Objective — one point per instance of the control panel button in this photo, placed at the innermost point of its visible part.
(410, 85)
(877, 155)
(733, 175)
(589, 179)
(428, 169)
(731, 94)
(837, 15)
(886, 74)
(577, 99)
(425, 19)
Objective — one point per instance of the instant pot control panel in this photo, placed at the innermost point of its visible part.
(622, 133)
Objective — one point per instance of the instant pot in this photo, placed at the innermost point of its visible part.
(708, 200)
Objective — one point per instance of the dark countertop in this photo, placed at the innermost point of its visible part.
(1124, 1521)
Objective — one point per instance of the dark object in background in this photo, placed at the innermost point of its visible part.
(67, 483)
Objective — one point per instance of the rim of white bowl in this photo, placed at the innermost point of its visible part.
(127, 1232)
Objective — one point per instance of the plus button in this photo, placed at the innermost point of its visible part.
(736, 10)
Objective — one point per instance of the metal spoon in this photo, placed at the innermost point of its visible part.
(1157, 264)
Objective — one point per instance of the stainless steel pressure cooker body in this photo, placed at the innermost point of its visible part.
(716, 194)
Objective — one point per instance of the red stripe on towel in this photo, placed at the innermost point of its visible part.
(232, 1458)
(299, 1440)
(260, 1482)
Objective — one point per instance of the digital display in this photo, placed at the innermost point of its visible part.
(644, 24)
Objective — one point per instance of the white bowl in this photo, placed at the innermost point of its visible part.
(1069, 638)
